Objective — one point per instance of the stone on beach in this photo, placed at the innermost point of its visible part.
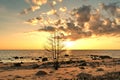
(34, 66)
(41, 73)
(17, 65)
(44, 59)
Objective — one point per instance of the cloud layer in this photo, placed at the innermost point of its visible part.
(88, 23)
(83, 22)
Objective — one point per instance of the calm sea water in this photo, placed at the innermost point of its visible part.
(31, 55)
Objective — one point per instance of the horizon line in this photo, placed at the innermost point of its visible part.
(63, 49)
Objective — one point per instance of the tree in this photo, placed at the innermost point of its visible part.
(55, 47)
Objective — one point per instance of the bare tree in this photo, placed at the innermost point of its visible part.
(55, 47)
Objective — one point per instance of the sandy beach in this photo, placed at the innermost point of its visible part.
(68, 70)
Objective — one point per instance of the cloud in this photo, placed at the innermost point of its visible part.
(60, 0)
(54, 3)
(36, 2)
(82, 14)
(111, 8)
(84, 21)
(104, 27)
(35, 5)
(51, 12)
(117, 21)
(32, 8)
(76, 32)
(63, 9)
(34, 21)
(39, 2)
(47, 29)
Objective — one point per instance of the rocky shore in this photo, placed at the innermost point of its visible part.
(95, 68)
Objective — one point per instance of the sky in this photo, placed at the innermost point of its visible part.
(83, 24)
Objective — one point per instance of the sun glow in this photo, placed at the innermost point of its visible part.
(68, 44)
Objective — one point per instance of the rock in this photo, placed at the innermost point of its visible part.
(109, 76)
(21, 57)
(95, 57)
(16, 57)
(100, 69)
(81, 67)
(1, 61)
(51, 72)
(39, 57)
(17, 64)
(34, 66)
(41, 73)
(44, 59)
(105, 57)
(84, 76)
(82, 63)
(66, 55)
(22, 62)
(17, 76)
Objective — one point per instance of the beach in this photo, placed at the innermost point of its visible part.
(80, 69)
(60, 40)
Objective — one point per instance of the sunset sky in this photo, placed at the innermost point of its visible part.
(85, 24)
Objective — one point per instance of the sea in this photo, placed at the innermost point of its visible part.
(37, 55)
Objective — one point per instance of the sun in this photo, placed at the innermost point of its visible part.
(68, 43)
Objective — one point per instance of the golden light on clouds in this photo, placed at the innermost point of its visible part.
(39, 2)
(35, 8)
(51, 12)
(54, 3)
(63, 9)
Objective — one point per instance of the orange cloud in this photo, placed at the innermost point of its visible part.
(39, 2)
(51, 12)
(63, 9)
